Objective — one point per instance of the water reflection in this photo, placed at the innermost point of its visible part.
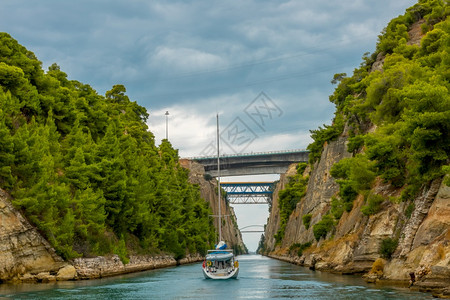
(259, 278)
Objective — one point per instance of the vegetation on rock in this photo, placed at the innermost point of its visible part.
(289, 197)
(387, 247)
(407, 102)
(85, 169)
(396, 118)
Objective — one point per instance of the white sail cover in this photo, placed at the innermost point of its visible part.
(221, 246)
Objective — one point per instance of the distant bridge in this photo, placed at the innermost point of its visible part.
(251, 231)
(248, 192)
(275, 162)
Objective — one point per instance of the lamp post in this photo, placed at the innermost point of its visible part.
(167, 125)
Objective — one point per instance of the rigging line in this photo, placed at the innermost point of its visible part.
(308, 51)
(279, 78)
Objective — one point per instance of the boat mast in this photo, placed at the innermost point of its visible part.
(218, 179)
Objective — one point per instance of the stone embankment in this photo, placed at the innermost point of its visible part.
(101, 266)
(98, 267)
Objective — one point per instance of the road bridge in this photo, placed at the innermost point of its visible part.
(275, 162)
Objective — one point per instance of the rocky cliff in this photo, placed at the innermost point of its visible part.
(353, 246)
(418, 229)
(208, 191)
(22, 249)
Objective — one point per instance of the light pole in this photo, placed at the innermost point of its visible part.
(167, 125)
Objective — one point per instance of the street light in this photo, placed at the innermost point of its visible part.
(167, 125)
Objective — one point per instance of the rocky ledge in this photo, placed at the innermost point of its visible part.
(101, 266)
(98, 267)
(90, 268)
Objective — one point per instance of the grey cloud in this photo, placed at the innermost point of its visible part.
(179, 52)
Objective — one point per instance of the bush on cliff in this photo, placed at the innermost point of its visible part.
(387, 247)
(306, 219)
(321, 228)
(373, 205)
(299, 247)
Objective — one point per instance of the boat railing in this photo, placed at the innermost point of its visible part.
(221, 251)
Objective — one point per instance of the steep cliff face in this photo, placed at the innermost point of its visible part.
(353, 246)
(273, 222)
(208, 191)
(22, 249)
(321, 187)
(416, 231)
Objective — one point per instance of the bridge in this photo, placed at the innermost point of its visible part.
(252, 230)
(275, 162)
(248, 192)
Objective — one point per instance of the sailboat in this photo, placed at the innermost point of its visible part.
(220, 262)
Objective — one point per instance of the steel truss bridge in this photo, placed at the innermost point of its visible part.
(248, 192)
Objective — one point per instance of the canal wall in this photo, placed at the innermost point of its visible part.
(418, 230)
(353, 246)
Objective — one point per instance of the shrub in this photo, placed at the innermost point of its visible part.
(301, 168)
(378, 266)
(321, 228)
(337, 208)
(354, 175)
(387, 247)
(289, 197)
(279, 236)
(322, 135)
(303, 247)
(409, 210)
(306, 220)
(355, 143)
(121, 251)
(300, 247)
(373, 204)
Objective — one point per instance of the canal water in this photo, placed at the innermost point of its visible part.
(259, 278)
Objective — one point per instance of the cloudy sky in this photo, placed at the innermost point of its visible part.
(264, 66)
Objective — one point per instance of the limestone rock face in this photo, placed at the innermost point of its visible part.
(22, 249)
(321, 187)
(437, 220)
(354, 244)
(66, 273)
(422, 205)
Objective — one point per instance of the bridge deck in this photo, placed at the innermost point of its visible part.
(274, 162)
(248, 154)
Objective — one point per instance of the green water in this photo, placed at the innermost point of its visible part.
(259, 278)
